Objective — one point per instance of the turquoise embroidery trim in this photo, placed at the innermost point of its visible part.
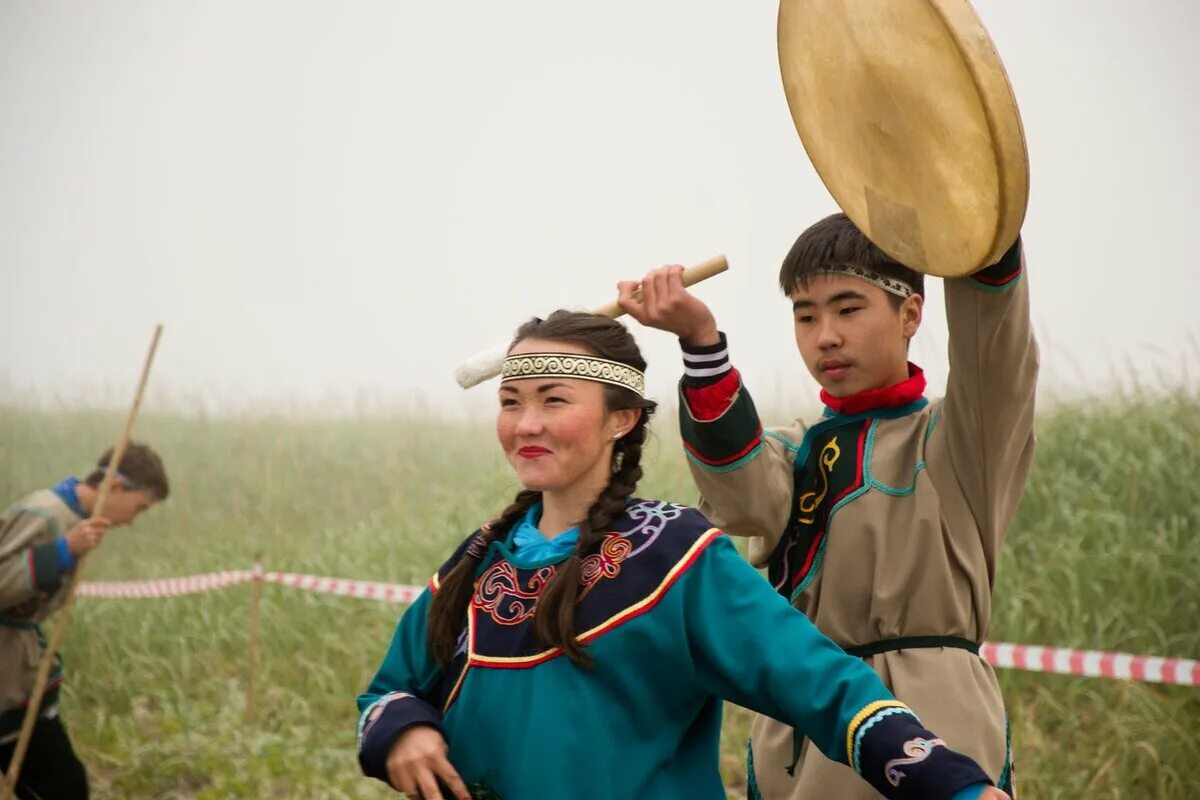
(791, 446)
(896, 491)
(362, 720)
(751, 782)
(741, 462)
(878, 413)
(934, 418)
(987, 287)
(798, 463)
(820, 557)
(830, 418)
(869, 482)
(1006, 777)
(876, 717)
(383, 701)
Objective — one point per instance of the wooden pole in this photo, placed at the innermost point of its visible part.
(64, 615)
(255, 624)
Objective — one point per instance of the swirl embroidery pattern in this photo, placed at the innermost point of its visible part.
(606, 563)
(652, 517)
(917, 751)
(810, 500)
(499, 593)
(544, 365)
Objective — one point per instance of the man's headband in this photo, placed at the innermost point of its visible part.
(889, 284)
(122, 477)
(572, 365)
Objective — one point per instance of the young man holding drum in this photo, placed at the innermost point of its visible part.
(882, 520)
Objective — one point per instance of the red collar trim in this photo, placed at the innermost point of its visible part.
(901, 394)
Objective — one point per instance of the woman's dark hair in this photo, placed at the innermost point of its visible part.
(554, 621)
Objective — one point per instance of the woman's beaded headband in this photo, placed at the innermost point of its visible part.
(573, 365)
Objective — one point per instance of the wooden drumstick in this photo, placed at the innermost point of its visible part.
(487, 364)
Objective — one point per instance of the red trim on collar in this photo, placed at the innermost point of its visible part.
(900, 394)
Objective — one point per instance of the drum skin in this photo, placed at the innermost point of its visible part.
(907, 114)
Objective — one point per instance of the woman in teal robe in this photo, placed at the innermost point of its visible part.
(582, 644)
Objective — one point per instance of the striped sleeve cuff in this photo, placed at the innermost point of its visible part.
(1005, 272)
(889, 747)
(381, 723)
(720, 432)
(705, 365)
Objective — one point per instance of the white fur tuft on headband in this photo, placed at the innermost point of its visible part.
(481, 366)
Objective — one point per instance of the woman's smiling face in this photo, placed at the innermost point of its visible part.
(556, 432)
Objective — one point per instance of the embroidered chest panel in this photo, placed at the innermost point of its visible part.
(648, 548)
(831, 472)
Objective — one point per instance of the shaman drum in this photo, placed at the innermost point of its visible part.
(907, 114)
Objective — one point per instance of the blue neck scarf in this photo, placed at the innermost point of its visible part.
(533, 545)
(65, 489)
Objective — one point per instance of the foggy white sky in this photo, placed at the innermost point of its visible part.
(323, 201)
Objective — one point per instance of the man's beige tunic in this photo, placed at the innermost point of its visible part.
(32, 587)
(888, 523)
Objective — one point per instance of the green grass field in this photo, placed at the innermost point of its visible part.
(1105, 554)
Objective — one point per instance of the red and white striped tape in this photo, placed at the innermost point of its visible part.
(345, 587)
(1060, 660)
(1092, 663)
(166, 587)
(193, 584)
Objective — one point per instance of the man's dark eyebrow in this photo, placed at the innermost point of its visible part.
(849, 294)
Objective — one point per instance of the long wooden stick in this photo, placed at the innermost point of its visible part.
(64, 616)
